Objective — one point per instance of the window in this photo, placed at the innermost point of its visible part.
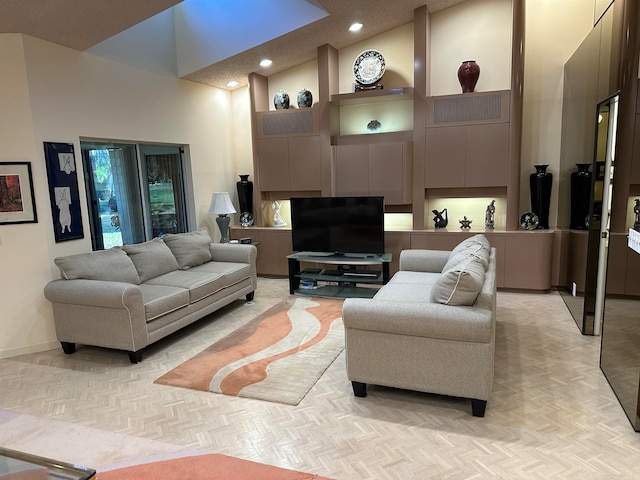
(135, 192)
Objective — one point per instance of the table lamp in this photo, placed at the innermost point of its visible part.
(221, 205)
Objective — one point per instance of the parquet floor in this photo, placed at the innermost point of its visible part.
(552, 414)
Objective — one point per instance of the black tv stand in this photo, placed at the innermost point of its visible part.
(339, 282)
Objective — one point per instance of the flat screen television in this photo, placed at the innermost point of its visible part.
(338, 225)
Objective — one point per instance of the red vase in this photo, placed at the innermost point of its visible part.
(468, 74)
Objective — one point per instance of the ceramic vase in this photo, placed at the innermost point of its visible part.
(281, 100)
(580, 196)
(305, 98)
(245, 194)
(540, 184)
(468, 74)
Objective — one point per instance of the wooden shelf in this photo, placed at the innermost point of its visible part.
(372, 96)
(384, 137)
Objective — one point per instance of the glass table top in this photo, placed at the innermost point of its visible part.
(19, 465)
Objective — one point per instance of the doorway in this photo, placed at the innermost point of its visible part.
(135, 192)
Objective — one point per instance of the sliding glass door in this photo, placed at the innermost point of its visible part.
(135, 192)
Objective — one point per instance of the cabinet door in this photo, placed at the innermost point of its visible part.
(445, 157)
(273, 164)
(487, 155)
(352, 169)
(386, 172)
(305, 167)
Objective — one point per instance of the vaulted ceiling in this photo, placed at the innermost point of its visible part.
(95, 24)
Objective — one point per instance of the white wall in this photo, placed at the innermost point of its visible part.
(51, 93)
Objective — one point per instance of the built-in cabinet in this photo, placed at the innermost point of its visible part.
(290, 163)
(429, 147)
(375, 169)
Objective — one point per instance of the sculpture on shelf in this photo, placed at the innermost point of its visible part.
(278, 221)
(636, 210)
(489, 215)
(440, 220)
(465, 223)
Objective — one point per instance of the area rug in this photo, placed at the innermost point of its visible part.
(278, 356)
(205, 467)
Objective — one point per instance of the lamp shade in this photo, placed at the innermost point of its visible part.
(221, 204)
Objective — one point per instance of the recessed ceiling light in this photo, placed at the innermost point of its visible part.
(355, 27)
(265, 62)
(233, 83)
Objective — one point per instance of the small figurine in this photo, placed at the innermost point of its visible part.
(636, 210)
(465, 223)
(488, 216)
(439, 220)
(278, 221)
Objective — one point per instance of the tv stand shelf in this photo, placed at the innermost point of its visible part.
(345, 277)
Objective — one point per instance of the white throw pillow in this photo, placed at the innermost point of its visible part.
(460, 285)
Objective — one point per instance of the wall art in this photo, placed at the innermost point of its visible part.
(63, 191)
(17, 200)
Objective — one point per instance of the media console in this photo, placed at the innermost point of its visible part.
(339, 282)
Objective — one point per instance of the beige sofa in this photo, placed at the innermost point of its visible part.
(431, 328)
(127, 298)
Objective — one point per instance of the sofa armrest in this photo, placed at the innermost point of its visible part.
(233, 252)
(423, 260)
(95, 293)
(419, 319)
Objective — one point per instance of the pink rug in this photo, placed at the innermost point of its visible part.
(205, 467)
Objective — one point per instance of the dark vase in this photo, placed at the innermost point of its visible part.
(468, 74)
(305, 98)
(540, 184)
(281, 100)
(580, 196)
(245, 194)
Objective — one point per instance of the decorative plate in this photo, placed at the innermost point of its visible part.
(529, 221)
(246, 219)
(369, 67)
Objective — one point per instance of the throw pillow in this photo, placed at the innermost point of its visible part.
(151, 258)
(461, 285)
(190, 249)
(477, 251)
(112, 265)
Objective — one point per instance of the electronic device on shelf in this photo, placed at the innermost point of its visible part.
(349, 226)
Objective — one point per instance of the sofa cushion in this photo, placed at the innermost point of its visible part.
(112, 265)
(459, 285)
(199, 284)
(151, 258)
(190, 249)
(162, 299)
(231, 272)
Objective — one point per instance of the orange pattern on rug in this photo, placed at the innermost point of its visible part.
(286, 348)
(205, 467)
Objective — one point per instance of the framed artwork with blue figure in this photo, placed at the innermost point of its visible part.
(63, 191)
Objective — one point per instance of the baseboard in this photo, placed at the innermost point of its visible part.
(40, 347)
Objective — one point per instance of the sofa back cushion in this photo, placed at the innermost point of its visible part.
(190, 249)
(151, 258)
(112, 265)
(459, 285)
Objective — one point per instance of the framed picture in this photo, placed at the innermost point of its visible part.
(63, 191)
(17, 201)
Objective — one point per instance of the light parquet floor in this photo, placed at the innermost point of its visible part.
(552, 414)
